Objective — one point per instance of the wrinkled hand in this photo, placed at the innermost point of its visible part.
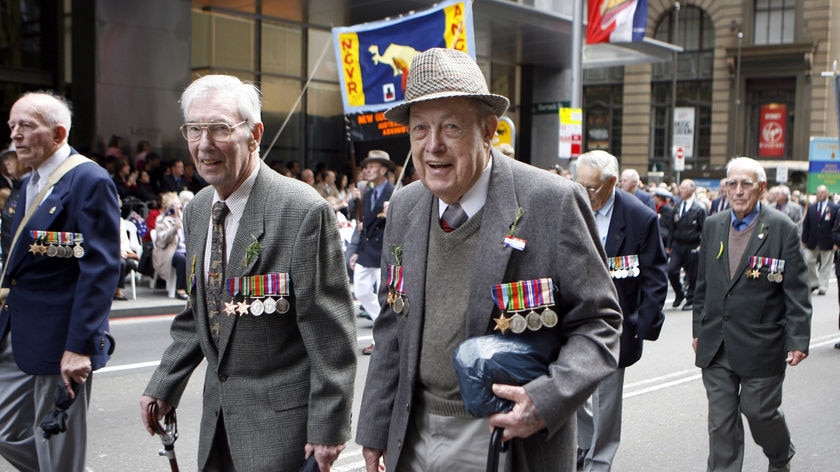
(352, 261)
(75, 367)
(694, 345)
(374, 459)
(325, 454)
(795, 357)
(162, 409)
(523, 420)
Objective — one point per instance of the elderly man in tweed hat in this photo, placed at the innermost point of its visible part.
(478, 224)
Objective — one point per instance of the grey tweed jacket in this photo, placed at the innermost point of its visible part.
(280, 380)
(561, 243)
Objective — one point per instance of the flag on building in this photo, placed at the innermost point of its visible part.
(373, 58)
(616, 21)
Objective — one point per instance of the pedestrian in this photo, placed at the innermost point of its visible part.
(269, 304)
(817, 240)
(55, 320)
(364, 261)
(689, 216)
(752, 318)
(636, 257)
(629, 182)
(479, 221)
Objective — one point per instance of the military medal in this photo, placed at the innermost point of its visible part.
(399, 305)
(242, 307)
(257, 307)
(396, 283)
(230, 308)
(269, 305)
(533, 320)
(78, 250)
(282, 304)
(549, 318)
(518, 323)
(502, 323)
(257, 291)
(526, 296)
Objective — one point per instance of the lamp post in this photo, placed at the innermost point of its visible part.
(737, 94)
(675, 63)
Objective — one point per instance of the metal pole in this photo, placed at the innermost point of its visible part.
(577, 54)
(675, 63)
(737, 95)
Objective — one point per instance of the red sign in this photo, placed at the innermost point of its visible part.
(771, 134)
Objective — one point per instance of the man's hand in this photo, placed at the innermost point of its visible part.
(520, 422)
(372, 459)
(325, 454)
(795, 357)
(352, 261)
(694, 345)
(75, 367)
(162, 409)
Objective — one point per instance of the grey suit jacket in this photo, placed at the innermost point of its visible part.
(756, 320)
(562, 242)
(280, 380)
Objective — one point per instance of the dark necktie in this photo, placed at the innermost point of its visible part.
(372, 199)
(216, 271)
(739, 224)
(453, 217)
(682, 209)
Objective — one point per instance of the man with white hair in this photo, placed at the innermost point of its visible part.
(630, 183)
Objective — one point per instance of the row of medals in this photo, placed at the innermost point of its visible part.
(258, 306)
(533, 320)
(624, 273)
(771, 276)
(397, 302)
(56, 250)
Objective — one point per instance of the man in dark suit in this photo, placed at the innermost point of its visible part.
(689, 216)
(630, 183)
(636, 259)
(721, 202)
(280, 360)
(55, 320)
(478, 220)
(364, 262)
(817, 240)
(174, 181)
(752, 317)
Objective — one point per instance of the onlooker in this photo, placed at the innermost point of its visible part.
(326, 187)
(55, 320)
(170, 246)
(308, 177)
(367, 254)
(125, 179)
(143, 190)
(143, 148)
(130, 251)
(783, 204)
(636, 258)
(752, 316)
(174, 181)
(684, 244)
(15, 170)
(720, 203)
(662, 199)
(817, 240)
(279, 383)
(193, 181)
(412, 412)
(630, 183)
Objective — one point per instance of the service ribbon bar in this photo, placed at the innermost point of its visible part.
(524, 294)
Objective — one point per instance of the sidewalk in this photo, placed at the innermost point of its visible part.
(149, 302)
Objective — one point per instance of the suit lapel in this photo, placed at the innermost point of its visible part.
(491, 263)
(615, 234)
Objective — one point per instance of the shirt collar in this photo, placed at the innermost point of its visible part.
(51, 163)
(607, 209)
(237, 200)
(476, 197)
(751, 216)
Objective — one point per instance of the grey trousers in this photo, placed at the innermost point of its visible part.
(445, 444)
(25, 400)
(758, 399)
(599, 423)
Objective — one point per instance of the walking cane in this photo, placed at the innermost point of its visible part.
(168, 433)
(496, 447)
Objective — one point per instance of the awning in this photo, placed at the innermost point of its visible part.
(621, 54)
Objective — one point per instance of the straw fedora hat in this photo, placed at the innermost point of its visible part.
(444, 73)
(380, 156)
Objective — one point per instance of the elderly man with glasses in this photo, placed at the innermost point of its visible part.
(752, 318)
(269, 302)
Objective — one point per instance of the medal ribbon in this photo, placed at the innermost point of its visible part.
(234, 284)
(271, 284)
(524, 294)
(258, 285)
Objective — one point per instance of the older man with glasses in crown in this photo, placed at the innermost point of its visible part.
(752, 318)
(475, 221)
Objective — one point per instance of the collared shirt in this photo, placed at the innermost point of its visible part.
(49, 166)
(377, 192)
(741, 224)
(603, 217)
(476, 197)
(688, 204)
(236, 205)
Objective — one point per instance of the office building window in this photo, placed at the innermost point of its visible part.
(775, 21)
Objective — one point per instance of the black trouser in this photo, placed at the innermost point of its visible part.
(683, 256)
(125, 267)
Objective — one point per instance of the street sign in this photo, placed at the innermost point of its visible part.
(679, 158)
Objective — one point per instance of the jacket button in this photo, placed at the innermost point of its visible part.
(223, 377)
(408, 407)
(14, 281)
(399, 444)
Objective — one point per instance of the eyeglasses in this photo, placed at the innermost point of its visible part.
(594, 190)
(732, 184)
(220, 132)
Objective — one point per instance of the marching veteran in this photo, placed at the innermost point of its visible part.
(62, 272)
(269, 306)
(475, 221)
(752, 318)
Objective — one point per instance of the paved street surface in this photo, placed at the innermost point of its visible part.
(664, 409)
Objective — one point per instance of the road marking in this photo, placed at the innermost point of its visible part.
(136, 365)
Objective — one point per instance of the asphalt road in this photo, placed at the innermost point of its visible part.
(664, 426)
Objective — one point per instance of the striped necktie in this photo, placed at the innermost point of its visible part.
(216, 272)
(453, 217)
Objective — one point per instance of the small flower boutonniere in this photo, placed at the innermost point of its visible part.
(510, 238)
(720, 251)
(253, 251)
(762, 231)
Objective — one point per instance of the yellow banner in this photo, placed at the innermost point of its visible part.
(455, 34)
(349, 45)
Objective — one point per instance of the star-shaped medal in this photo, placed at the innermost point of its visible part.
(502, 323)
(33, 248)
(242, 307)
(230, 308)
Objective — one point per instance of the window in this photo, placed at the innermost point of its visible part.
(774, 21)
